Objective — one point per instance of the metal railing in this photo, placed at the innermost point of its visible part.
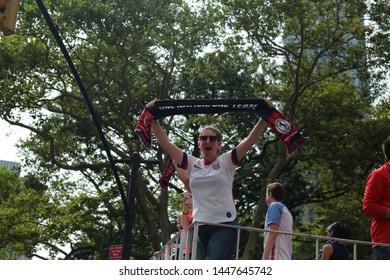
(176, 248)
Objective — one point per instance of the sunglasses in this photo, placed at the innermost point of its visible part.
(211, 138)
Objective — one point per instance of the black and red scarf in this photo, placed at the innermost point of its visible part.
(280, 124)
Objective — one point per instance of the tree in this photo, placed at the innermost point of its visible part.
(299, 54)
(20, 215)
(322, 49)
(122, 56)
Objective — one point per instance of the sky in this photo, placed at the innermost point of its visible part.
(9, 136)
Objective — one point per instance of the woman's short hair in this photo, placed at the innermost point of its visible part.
(214, 128)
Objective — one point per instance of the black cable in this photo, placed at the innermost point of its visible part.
(56, 35)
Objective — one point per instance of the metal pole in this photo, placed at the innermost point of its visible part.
(55, 32)
(129, 217)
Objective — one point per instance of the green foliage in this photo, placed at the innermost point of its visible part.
(19, 216)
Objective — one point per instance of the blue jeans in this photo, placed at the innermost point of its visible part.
(217, 243)
(381, 253)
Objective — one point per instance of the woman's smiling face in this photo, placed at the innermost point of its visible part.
(209, 143)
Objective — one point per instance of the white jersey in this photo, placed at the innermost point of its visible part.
(211, 187)
(278, 214)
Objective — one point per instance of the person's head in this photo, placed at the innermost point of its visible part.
(178, 221)
(386, 149)
(210, 141)
(187, 199)
(337, 230)
(275, 192)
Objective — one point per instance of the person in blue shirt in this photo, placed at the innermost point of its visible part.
(277, 246)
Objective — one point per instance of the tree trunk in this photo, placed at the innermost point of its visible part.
(254, 236)
(149, 221)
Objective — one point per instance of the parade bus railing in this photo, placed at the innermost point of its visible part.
(176, 248)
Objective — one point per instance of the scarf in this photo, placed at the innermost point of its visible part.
(280, 125)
